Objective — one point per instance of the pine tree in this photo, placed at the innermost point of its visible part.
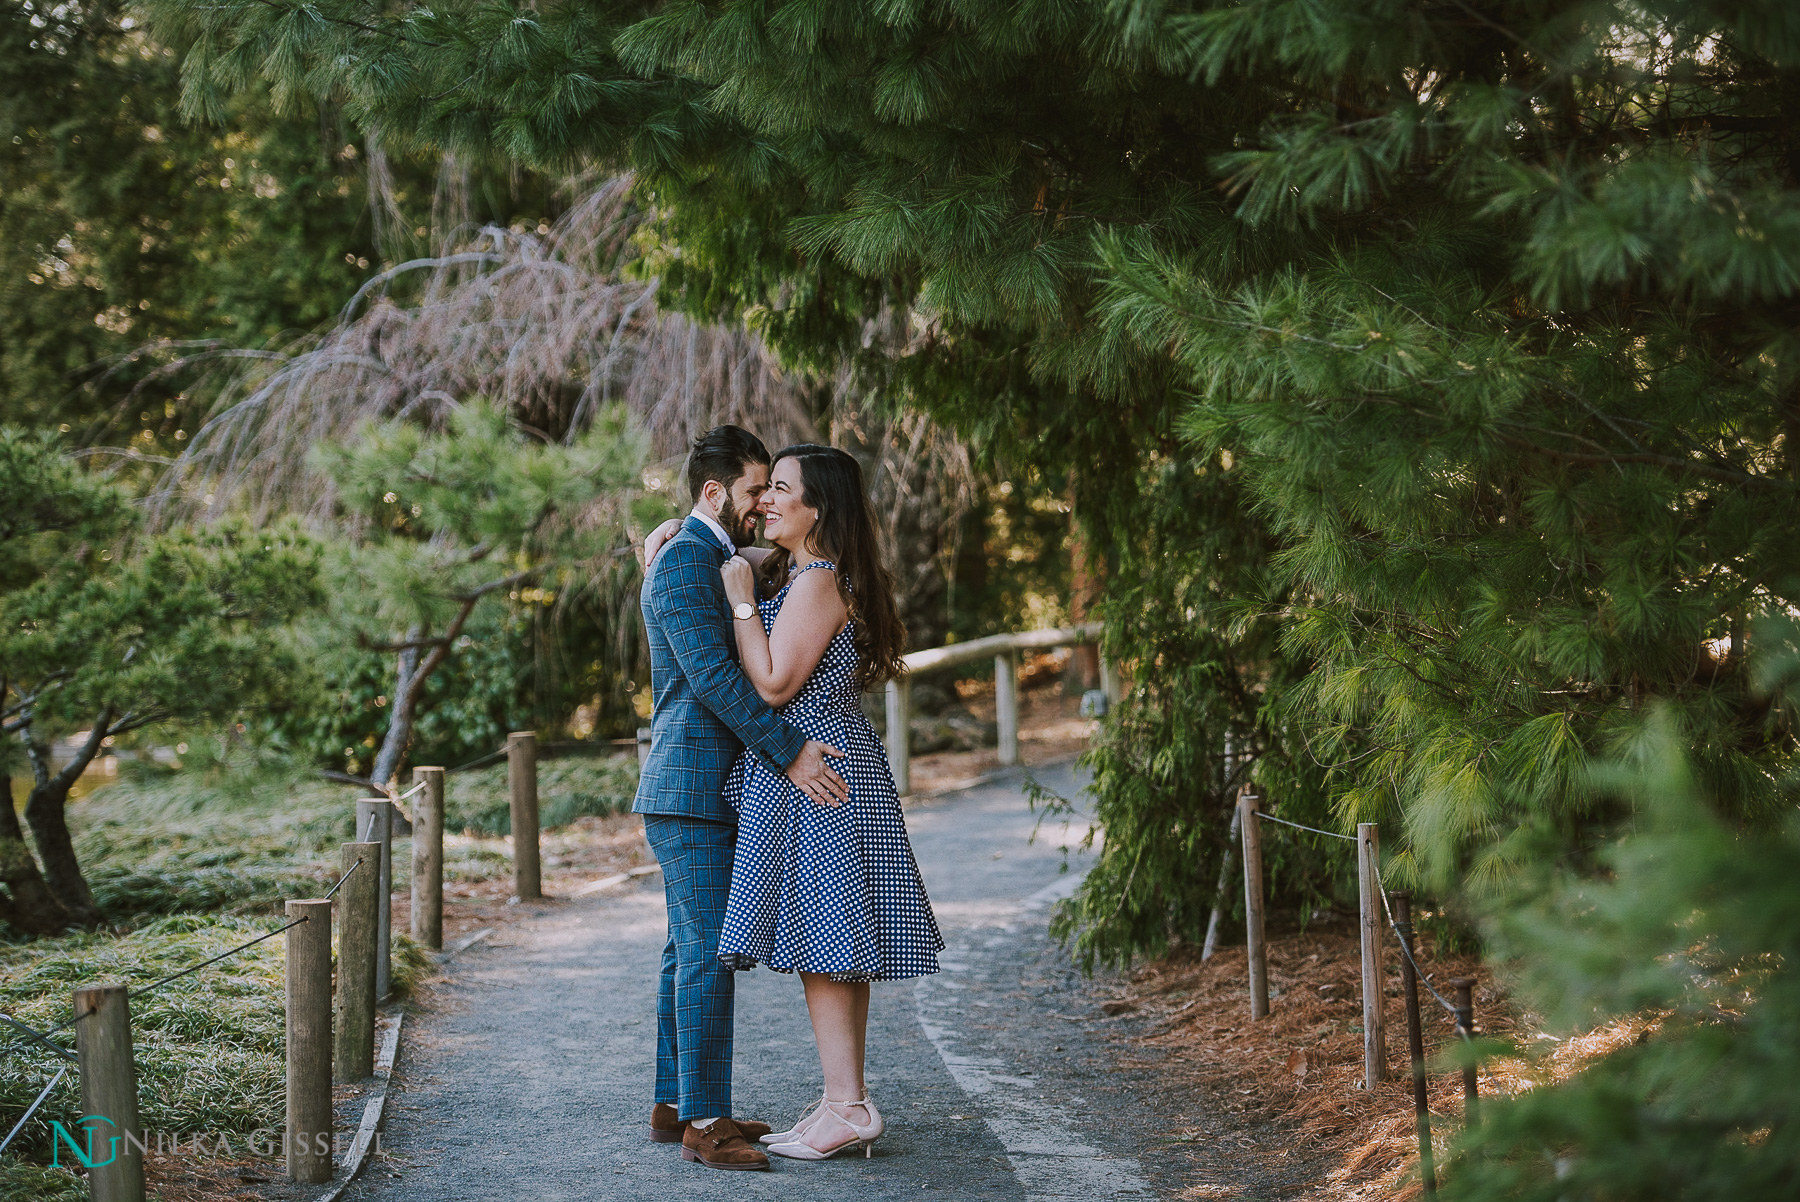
(1489, 305)
(129, 236)
(1481, 318)
(1687, 935)
(436, 524)
(105, 633)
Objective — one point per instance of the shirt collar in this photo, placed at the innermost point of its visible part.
(712, 524)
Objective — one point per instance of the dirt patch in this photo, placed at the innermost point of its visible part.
(172, 1179)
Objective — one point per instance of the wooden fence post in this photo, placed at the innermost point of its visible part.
(1415, 1037)
(1109, 682)
(109, 1090)
(306, 1137)
(899, 728)
(1465, 1029)
(353, 1042)
(1006, 705)
(1251, 830)
(521, 780)
(1374, 972)
(643, 744)
(428, 859)
(375, 824)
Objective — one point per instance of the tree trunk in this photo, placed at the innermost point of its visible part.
(401, 716)
(45, 811)
(28, 906)
(411, 672)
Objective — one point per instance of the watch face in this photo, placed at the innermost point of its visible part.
(743, 609)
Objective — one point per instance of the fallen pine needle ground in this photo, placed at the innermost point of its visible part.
(1301, 1068)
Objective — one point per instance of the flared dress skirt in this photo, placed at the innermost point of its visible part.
(826, 889)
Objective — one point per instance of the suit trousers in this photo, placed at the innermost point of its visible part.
(695, 994)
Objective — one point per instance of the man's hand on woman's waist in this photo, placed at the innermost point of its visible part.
(814, 777)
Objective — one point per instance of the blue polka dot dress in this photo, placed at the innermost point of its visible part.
(826, 889)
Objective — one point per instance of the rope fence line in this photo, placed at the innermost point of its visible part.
(1406, 951)
(1382, 892)
(1374, 906)
(1299, 827)
(32, 1109)
(155, 985)
(340, 882)
(37, 1036)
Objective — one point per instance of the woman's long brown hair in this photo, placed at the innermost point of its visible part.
(831, 482)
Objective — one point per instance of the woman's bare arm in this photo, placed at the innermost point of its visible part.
(653, 542)
(657, 538)
(779, 662)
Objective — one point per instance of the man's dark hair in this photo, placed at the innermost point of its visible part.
(722, 454)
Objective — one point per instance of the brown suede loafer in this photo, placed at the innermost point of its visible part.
(665, 1128)
(722, 1146)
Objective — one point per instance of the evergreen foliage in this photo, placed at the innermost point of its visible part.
(1519, 400)
(1694, 923)
(1469, 296)
(125, 227)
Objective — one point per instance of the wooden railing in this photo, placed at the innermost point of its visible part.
(1005, 649)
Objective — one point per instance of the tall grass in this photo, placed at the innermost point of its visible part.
(209, 1048)
(22, 1181)
(476, 803)
(237, 837)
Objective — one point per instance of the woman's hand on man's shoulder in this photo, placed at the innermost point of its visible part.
(657, 539)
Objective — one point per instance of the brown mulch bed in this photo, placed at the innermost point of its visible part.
(1301, 1068)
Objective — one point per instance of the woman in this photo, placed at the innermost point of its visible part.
(829, 891)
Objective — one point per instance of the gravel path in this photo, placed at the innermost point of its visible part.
(531, 1077)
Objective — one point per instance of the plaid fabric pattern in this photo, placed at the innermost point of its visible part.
(696, 992)
(706, 710)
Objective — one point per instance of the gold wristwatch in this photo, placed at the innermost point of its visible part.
(743, 610)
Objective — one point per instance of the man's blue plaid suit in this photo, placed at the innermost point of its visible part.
(706, 713)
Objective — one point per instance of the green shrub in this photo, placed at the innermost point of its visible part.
(1689, 918)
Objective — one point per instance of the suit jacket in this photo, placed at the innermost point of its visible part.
(706, 710)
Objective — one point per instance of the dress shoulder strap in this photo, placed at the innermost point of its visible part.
(817, 563)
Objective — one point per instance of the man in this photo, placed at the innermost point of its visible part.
(706, 713)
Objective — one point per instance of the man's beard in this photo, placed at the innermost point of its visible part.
(741, 529)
